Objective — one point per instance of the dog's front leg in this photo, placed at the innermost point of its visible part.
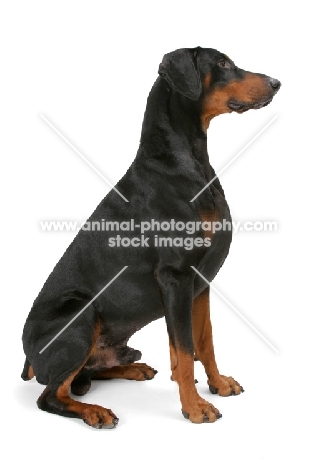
(177, 296)
(204, 350)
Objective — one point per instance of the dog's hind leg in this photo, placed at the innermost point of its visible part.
(55, 398)
(135, 371)
(111, 362)
(28, 372)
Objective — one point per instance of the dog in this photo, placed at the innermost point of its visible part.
(81, 321)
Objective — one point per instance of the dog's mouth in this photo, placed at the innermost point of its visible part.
(240, 107)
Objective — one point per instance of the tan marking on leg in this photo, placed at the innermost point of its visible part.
(135, 371)
(94, 415)
(173, 362)
(196, 408)
(204, 349)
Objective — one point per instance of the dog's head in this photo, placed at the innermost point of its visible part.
(212, 78)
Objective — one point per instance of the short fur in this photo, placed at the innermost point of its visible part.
(171, 167)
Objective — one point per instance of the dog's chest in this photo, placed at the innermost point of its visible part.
(217, 227)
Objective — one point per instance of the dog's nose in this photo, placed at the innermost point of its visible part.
(275, 84)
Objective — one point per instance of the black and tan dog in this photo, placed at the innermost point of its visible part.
(170, 168)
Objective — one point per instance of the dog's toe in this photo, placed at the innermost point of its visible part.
(225, 386)
(99, 418)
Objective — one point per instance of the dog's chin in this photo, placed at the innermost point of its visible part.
(240, 107)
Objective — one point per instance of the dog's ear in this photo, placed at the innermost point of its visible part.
(178, 69)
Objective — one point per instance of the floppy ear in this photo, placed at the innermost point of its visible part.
(178, 69)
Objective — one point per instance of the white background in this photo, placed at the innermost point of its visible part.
(88, 67)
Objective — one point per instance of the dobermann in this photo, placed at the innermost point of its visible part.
(171, 167)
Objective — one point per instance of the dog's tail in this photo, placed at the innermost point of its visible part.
(28, 371)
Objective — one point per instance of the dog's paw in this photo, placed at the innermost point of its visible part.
(225, 386)
(140, 371)
(202, 412)
(98, 417)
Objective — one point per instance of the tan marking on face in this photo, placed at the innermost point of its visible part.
(207, 81)
(251, 89)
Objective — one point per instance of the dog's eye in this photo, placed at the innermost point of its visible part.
(223, 64)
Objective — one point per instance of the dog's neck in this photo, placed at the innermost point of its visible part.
(172, 131)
